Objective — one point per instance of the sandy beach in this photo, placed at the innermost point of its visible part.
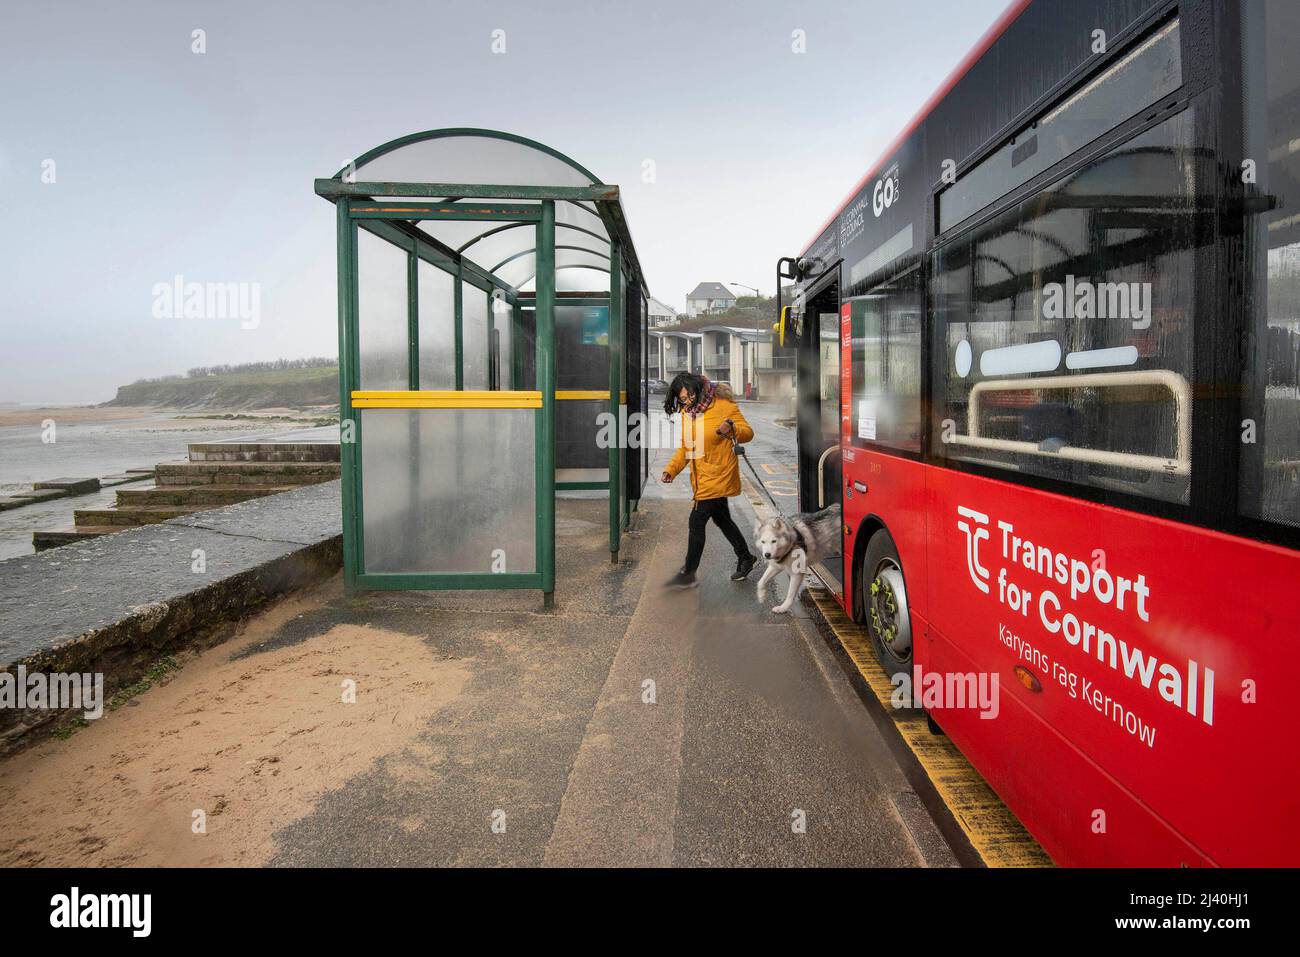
(250, 733)
(156, 417)
(72, 414)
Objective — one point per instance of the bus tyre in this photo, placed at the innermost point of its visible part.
(884, 602)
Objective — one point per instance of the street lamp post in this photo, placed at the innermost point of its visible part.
(757, 295)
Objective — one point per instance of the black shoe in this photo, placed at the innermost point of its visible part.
(682, 579)
(744, 567)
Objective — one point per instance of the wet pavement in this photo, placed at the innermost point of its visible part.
(632, 726)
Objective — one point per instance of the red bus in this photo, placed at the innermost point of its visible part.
(1049, 366)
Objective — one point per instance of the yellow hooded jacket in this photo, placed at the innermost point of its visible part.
(715, 470)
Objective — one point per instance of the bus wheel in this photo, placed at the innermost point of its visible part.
(884, 598)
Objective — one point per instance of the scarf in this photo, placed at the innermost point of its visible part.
(703, 400)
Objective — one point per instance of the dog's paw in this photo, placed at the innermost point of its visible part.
(780, 609)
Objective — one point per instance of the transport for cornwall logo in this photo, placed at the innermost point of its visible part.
(978, 573)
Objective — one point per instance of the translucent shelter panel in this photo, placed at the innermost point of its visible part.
(620, 290)
(570, 238)
(519, 272)
(461, 234)
(502, 315)
(582, 347)
(582, 475)
(569, 213)
(436, 296)
(578, 279)
(383, 332)
(567, 257)
(488, 247)
(507, 250)
(572, 277)
(577, 427)
(472, 157)
(453, 232)
(427, 511)
(474, 336)
(526, 344)
(622, 479)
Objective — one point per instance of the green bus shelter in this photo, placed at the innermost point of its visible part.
(492, 339)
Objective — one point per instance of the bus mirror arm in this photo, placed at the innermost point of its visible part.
(786, 268)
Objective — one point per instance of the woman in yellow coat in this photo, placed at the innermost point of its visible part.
(711, 420)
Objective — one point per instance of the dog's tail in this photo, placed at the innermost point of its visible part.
(830, 512)
(828, 519)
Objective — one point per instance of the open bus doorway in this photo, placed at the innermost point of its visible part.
(818, 412)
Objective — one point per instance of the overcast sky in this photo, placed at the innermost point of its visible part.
(168, 162)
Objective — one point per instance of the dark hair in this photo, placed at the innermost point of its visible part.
(689, 381)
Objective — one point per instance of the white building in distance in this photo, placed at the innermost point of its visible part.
(709, 297)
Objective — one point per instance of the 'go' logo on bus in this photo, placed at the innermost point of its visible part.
(886, 191)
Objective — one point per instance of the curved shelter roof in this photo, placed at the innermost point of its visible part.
(458, 167)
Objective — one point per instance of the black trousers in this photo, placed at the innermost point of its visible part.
(716, 509)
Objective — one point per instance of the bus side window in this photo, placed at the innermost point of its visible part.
(1270, 421)
(1064, 325)
(887, 363)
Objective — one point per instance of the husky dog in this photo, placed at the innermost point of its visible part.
(792, 545)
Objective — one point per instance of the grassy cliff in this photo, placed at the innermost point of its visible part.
(237, 389)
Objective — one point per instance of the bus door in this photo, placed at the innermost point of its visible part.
(818, 415)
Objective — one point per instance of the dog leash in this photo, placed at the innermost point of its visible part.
(740, 452)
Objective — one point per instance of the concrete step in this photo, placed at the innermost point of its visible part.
(129, 476)
(204, 496)
(245, 473)
(69, 486)
(56, 537)
(132, 516)
(19, 499)
(32, 496)
(264, 452)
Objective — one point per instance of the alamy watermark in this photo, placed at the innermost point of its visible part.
(1083, 299)
(939, 691)
(57, 691)
(133, 912)
(638, 430)
(179, 299)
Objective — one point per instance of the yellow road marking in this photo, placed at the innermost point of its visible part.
(995, 833)
(783, 487)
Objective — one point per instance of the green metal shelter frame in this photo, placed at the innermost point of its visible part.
(449, 452)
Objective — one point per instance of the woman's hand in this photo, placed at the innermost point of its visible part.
(725, 428)
(666, 478)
